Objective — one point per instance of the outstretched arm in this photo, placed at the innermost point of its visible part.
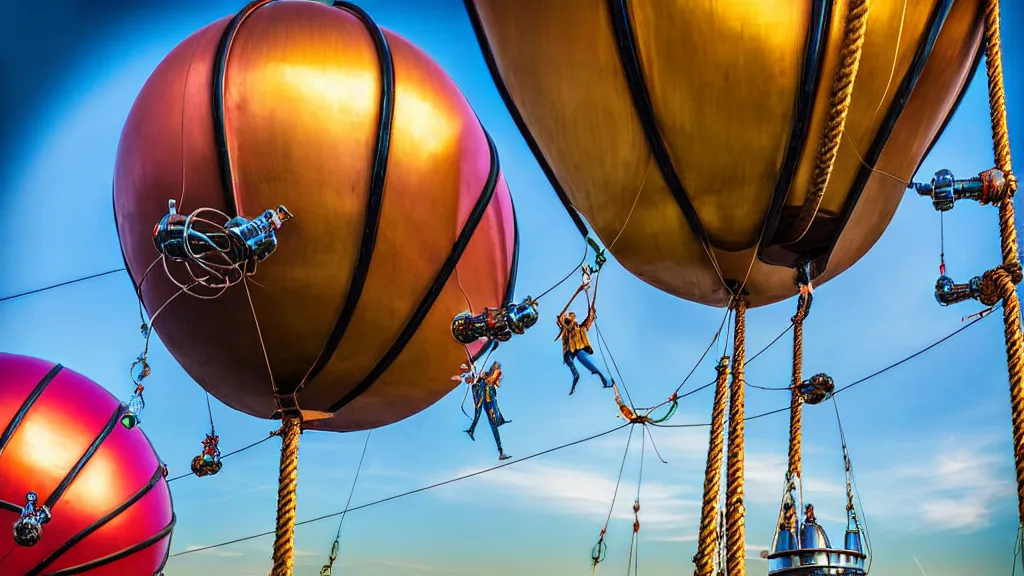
(569, 303)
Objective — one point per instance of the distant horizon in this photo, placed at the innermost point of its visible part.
(930, 439)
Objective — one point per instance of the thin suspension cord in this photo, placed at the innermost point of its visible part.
(586, 250)
(606, 354)
(458, 281)
(854, 383)
(864, 162)
(634, 544)
(633, 207)
(336, 545)
(895, 59)
(239, 451)
(914, 355)
(711, 345)
(61, 284)
(209, 410)
(1018, 546)
(355, 480)
(615, 495)
(712, 383)
(411, 492)
(853, 483)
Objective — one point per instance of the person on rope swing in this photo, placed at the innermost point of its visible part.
(485, 399)
(575, 342)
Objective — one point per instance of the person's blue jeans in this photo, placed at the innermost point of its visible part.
(494, 417)
(586, 360)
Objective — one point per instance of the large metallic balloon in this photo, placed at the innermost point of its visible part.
(698, 123)
(95, 492)
(401, 216)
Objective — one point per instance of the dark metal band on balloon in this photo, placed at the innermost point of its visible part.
(124, 553)
(19, 416)
(443, 275)
(220, 132)
(374, 201)
(800, 127)
(99, 523)
(27, 528)
(170, 496)
(885, 129)
(84, 459)
(517, 117)
(629, 58)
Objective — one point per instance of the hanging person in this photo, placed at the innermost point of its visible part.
(485, 399)
(575, 341)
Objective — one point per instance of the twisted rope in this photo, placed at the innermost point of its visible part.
(1000, 282)
(707, 539)
(735, 511)
(796, 400)
(839, 107)
(288, 480)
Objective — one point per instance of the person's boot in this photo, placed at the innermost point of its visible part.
(470, 432)
(604, 381)
(502, 455)
(575, 380)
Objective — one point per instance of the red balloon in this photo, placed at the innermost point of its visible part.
(104, 485)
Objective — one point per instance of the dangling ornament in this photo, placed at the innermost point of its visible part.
(208, 462)
(817, 388)
(497, 324)
(136, 402)
(28, 529)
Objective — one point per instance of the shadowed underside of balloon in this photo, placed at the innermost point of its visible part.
(401, 216)
(690, 131)
(101, 503)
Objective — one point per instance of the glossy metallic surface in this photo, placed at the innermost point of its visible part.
(301, 102)
(52, 436)
(948, 292)
(815, 556)
(945, 189)
(495, 323)
(723, 79)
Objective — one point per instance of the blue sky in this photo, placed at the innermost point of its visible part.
(929, 440)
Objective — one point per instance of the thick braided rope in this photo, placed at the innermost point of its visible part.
(288, 480)
(796, 401)
(839, 107)
(707, 539)
(735, 511)
(1003, 280)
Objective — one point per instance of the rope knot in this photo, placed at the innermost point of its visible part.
(997, 186)
(999, 283)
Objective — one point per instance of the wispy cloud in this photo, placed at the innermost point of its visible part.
(577, 491)
(959, 484)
